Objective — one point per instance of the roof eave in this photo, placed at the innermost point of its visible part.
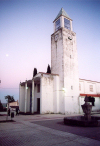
(64, 16)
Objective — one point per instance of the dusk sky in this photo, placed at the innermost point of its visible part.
(25, 39)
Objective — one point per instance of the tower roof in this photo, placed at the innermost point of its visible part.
(62, 12)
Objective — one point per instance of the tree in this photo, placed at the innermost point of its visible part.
(9, 98)
(48, 69)
(34, 72)
(1, 106)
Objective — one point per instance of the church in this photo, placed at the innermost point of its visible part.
(61, 91)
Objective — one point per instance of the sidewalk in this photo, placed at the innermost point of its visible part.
(27, 131)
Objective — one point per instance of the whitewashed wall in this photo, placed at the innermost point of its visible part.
(61, 101)
(57, 55)
(85, 89)
(65, 63)
(98, 87)
(56, 94)
(28, 100)
(22, 98)
(46, 94)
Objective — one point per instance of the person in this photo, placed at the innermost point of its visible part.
(9, 112)
(16, 111)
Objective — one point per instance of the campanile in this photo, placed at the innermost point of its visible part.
(64, 60)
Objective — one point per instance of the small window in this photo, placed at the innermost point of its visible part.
(38, 88)
(71, 87)
(79, 86)
(57, 24)
(91, 88)
(67, 23)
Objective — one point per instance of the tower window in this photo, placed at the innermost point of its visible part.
(57, 24)
(71, 87)
(66, 23)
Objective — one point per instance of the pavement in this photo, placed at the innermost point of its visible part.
(46, 130)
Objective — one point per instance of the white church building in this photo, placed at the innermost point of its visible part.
(62, 91)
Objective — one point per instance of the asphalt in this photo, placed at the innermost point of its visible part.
(46, 130)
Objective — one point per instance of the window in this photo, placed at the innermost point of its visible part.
(91, 88)
(67, 23)
(57, 26)
(72, 87)
(79, 86)
(38, 88)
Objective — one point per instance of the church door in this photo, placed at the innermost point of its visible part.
(38, 105)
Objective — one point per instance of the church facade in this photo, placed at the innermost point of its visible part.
(61, 91)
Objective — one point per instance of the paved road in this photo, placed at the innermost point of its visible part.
(90, 132)
(43, 130)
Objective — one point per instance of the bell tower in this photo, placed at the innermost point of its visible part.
(65, 63)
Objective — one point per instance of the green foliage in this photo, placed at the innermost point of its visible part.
(1, 106)
(34, 72)
(9, 98)
(48, 69)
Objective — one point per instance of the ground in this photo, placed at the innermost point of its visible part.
(46, 130)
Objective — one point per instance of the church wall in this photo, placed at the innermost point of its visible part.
(56, 94)
(65, 63)
(61, 102)
(57, 56)
(22, 98)
(28, 100)
(46, 94)
(71, 78)
(57, 65)
(71, 105)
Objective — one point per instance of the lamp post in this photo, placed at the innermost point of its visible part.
(7, 109)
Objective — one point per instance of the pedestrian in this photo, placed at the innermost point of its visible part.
(16, 111)
(9, 112)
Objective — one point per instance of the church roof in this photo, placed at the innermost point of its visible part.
(62, 13)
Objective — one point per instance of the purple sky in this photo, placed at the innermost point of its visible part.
(25, 39)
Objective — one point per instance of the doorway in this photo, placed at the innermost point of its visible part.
(38, 105)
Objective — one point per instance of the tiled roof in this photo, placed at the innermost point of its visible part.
(62, 12)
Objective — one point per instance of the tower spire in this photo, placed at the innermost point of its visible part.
(62, 13)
